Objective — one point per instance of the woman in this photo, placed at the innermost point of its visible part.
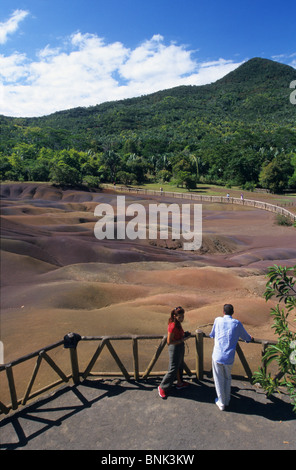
(175, 342)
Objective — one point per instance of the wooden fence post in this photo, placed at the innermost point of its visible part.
(244, 362)
(263, 351)
(136, 358)
(74, 365)
(11, 384)
(199, 354)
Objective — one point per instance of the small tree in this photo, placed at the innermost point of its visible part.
(275, 175)
(282, 286)
(65, 168)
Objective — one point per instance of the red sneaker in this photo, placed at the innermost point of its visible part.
(161, 392)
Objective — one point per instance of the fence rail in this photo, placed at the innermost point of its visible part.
(207, 198)
(77, 373)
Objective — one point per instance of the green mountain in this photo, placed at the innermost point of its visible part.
(258, 89)
(232, 127)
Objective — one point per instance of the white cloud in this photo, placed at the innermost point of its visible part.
(211, 71)
(155, 62)
(87, 71)
(11, 25)
(12, 68)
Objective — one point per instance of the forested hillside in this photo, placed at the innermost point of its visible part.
(240, 130)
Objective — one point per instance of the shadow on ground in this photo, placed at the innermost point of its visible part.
(115, 414)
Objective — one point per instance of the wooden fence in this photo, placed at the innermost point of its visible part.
(206, 198)
(77, 373)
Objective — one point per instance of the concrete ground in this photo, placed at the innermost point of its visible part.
(116, 415)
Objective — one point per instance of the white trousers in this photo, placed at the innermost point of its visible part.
(222, 380)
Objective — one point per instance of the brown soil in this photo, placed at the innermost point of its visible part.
(57, 277)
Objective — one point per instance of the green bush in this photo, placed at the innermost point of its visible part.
(282, 219)
(281, 285)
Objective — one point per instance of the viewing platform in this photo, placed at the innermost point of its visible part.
(94, 411)
(113, 414)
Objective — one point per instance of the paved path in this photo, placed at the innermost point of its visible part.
(117, 415)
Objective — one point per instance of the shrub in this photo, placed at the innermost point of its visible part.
(282, 219)
(282, 286)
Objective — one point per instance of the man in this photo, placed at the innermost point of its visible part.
(226, 331)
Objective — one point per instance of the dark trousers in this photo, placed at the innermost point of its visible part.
(176, 363)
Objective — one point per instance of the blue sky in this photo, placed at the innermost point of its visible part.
(59, 54)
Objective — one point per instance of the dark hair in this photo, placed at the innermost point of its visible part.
(175, 312)
(228, 309)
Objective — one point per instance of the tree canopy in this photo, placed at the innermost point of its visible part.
(239, 130)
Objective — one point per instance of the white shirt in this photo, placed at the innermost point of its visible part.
(227, 331)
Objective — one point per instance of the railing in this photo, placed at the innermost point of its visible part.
(77, 372)
(206, 198)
